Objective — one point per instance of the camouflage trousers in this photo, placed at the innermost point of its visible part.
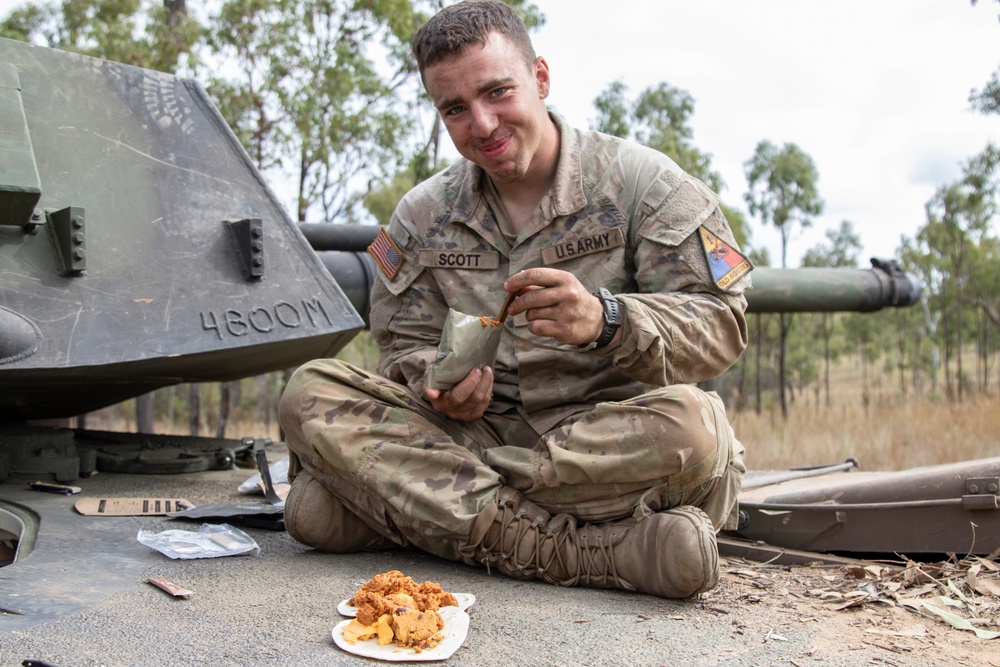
(421, 479)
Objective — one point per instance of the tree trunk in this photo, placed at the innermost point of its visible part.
(759, 343)
(194, 410)
(225, 404)
(827, 333)
(783, 327)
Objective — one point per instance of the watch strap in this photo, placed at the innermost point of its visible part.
(612, 318)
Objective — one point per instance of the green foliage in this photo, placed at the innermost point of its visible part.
(135, 32)
(738, 223)
(381, 201)
(315, 92)
(841, 250)
(25, 22)
(783, 189)
(987, 100)
(613, 114)
(955, 254)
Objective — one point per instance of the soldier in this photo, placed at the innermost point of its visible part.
(584, 456)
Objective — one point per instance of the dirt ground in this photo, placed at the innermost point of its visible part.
(878, 611)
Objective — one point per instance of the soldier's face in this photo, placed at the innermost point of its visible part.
(493, 105)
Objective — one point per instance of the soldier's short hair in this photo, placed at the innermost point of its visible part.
(469, 22)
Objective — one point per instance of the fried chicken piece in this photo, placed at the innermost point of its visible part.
(429, 596)
(386, 592)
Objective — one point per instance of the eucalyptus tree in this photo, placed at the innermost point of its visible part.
(783, 189)
(981, 181)
(782, 192)
(314, 89)
(959, 217)
(841, 250)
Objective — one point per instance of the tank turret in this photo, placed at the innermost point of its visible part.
(139, 246)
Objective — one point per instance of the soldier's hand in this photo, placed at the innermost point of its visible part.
(467, 400)
(556, 305)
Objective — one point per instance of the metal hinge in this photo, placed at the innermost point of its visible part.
(981, 493)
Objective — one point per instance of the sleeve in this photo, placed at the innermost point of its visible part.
(407, 314)
(679, 325)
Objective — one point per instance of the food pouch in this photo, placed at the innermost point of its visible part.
(467, 342)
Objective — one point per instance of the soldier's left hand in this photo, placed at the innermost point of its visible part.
(467, 400)
(556, 305)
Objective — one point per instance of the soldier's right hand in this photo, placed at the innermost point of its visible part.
(467, 400)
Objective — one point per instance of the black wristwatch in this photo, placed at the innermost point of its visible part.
(612, 319)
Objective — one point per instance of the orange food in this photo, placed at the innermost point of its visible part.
(395, 608)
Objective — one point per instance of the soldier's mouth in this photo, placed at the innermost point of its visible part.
(495, 149)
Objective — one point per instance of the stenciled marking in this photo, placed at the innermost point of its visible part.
(263, 320)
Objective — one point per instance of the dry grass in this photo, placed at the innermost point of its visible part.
(887, 436)
(868, 420)
(891, 435)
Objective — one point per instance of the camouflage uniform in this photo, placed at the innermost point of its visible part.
(599, 434)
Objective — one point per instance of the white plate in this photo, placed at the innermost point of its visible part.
(465, 600)
(456, 627)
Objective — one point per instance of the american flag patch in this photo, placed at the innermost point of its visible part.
(386, 253)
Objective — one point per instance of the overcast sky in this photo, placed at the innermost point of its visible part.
(876, 92)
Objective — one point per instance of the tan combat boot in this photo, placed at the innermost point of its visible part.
(315, 517)
(671, 554)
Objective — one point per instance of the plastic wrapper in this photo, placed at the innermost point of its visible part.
(467, 342)
(278, 472)
(209, 541)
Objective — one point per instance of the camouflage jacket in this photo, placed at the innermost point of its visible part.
(619, 216)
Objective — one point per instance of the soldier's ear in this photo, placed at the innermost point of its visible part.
(542, 77)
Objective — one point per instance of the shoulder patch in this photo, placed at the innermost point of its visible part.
(725, 263)
(386, 254)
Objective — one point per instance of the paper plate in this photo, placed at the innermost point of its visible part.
(465, 600)
(456, 627)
